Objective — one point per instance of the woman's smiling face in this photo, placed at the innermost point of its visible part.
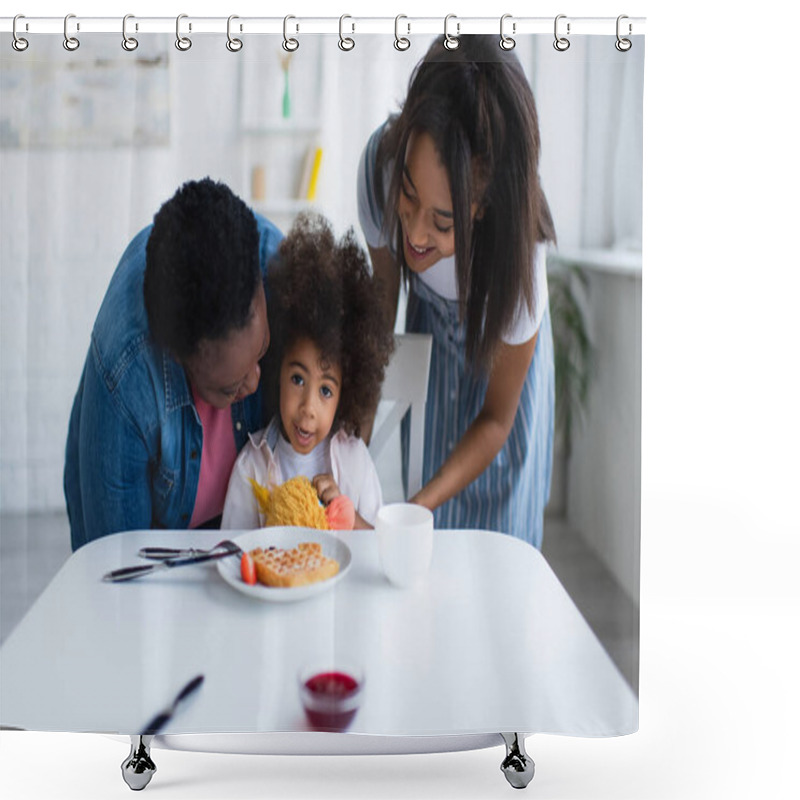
(310, 391)
(224, 371)
(425, 205)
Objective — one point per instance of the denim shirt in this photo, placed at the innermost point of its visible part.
(135, 438)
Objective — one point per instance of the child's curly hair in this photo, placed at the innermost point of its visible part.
(323, 290)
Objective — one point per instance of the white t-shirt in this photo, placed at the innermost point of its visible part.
(263, 460)
(441, 277)
(292, 463)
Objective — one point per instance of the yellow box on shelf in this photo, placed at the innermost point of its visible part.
(310, 179)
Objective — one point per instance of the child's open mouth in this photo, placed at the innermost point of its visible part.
(303, 437)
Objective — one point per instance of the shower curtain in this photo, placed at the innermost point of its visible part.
(93, 141)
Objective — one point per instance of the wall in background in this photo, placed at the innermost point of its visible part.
(67, 216)
(604, 470)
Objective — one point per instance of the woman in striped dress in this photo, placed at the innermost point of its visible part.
(450, 201)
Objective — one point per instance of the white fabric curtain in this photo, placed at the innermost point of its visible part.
(613, 152)
(590, 111)
(92, 143)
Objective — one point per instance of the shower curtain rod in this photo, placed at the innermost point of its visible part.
(346, 25)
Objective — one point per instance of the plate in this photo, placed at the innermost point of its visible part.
(285, 537)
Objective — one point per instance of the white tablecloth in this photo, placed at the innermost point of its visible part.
(489, 642)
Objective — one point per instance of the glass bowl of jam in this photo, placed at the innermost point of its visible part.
(331, 695)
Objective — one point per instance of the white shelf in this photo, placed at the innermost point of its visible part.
(277, 152)
(280, 128)
(281, 206)
(615, 261)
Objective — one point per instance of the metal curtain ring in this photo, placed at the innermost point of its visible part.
(233, 44)
(345, 42)
(70, 42)
(289, 44)
(401, 42)
(561, 43)
(451, 42)
(183, 43)
(506, 42)
(18, 43)
(623, 45)
(128, 42)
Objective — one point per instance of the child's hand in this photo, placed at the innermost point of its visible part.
(340, 513)
(339, 509)
(326, 488)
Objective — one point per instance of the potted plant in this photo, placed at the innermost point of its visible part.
(572, 353)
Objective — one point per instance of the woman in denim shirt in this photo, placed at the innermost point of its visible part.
(170, 386)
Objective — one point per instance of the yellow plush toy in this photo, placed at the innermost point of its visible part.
(296, 503)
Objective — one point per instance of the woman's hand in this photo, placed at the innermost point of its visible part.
(489, 431)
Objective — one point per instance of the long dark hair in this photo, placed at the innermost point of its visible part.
(476, 104)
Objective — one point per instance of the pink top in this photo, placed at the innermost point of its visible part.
(216, 461)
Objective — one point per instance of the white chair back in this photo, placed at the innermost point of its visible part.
(405, 387)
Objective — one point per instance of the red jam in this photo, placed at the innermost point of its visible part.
(328, 707)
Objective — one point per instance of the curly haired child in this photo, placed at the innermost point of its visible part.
(330, 348)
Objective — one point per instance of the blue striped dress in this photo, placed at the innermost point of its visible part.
(511, 494)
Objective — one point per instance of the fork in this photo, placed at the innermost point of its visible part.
(161, 553)
(163, 562)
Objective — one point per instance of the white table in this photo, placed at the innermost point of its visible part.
(489, 642)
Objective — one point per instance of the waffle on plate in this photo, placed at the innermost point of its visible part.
(299, 566)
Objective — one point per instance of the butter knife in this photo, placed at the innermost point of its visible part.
(129, 573)
(160, 720)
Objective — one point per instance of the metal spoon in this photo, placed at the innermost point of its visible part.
(161, 553)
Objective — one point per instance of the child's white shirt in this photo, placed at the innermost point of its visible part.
(292, 463)
(350, 464)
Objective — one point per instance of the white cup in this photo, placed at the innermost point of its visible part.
(405, 542)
